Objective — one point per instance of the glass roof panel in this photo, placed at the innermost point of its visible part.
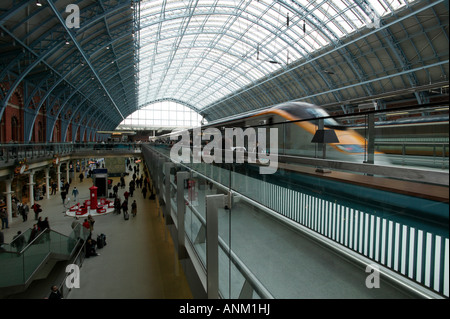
(199, 52)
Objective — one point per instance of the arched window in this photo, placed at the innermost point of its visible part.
(14, 129)
(40, 132)
(165, 114)
(56, 134)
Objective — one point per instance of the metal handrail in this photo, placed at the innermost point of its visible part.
(10, 154)
(79, 256)
(405, 173)
(409, 143)
(245, 271)
(438, 177)
(39, 235)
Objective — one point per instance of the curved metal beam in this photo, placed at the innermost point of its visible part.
(336, 49)
(74, 40)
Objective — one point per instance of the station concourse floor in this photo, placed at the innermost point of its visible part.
(138, 262)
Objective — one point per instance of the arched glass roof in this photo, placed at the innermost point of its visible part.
(217, 57)
(199, 51)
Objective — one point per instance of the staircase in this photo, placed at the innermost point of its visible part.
(24, 260)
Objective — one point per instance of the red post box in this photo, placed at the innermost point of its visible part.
(93, 197)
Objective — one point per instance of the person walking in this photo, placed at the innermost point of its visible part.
(4, 217)
(63, 196)
(37, 209)
(132, 187)
(45, 227)
(134, 208)
(117, 205)
(125, 209)
(53, 188)
(45, 224)
(23, 211)
(33, 234)
(75, 193)
(20, 210)
(39, 224)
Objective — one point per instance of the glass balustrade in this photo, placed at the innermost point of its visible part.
(22, 257)
(264, 218)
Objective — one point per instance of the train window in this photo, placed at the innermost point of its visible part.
(351, 148)
(309, 112)
(316, 112)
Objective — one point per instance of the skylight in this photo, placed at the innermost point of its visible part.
(201, 51)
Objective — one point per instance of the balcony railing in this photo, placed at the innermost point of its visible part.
(13, 153)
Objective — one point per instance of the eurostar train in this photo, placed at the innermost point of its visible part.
(296, 138)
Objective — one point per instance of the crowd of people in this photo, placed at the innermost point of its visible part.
(42, 223)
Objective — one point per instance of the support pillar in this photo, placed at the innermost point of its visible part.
(8, 194)
(371, 139)
(322, 148)
(168, 207)
(67, 172)
(47, 182)
(58, 174)
(31, 185)
(213, 203)
(181, 210)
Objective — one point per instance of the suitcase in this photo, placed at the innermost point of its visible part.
(103, 239)
(99, 242)
(126, 216)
